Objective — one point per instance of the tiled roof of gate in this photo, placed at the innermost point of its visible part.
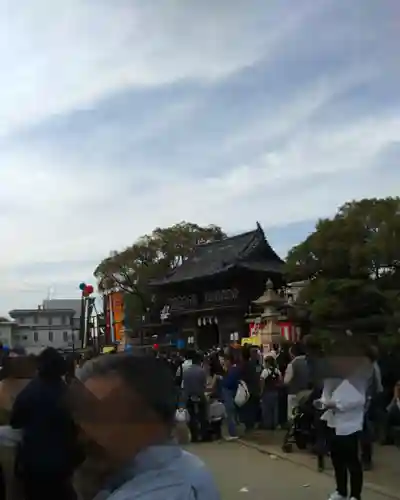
(219, 256)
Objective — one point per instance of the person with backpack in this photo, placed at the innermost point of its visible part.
(270, 381)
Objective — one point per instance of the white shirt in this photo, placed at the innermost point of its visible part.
(185, 365)
(348, 415)
(268, 371)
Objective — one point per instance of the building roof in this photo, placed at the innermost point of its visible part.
(247, 250)
(48, 312)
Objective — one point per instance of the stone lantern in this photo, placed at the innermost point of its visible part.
(270, 303)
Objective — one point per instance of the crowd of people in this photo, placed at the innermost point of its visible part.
(104, 428)
(101, 428)
(354, 392)
(276, 378)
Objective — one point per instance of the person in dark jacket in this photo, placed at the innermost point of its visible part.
(229, 386)
(249, 374)
(49, 451)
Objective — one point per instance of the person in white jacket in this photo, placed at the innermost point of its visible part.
(344, 400)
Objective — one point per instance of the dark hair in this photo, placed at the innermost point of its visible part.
(372, 353)
(246, 352)
(312, 344)
(197, 358)
(270, 361)
(215, 365)
(145, 375)
(297, 349)
(50, 364)
(230, 356)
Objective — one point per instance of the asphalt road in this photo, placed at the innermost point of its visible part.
(241, 471)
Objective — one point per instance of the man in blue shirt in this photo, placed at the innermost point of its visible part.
(126, 404)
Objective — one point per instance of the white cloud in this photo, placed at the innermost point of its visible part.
(56, 56)
(293, 165)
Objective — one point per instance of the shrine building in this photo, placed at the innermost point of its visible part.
(206, 299)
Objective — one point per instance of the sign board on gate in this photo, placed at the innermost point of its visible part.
(255, 340)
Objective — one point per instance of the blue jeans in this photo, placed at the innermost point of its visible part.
(230, 408)
(270, 409)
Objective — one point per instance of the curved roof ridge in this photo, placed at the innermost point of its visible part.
(228, 238)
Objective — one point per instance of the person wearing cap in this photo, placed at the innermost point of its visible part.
(126, 405)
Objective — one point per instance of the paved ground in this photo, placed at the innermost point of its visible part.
(385, 474)
(240, 471)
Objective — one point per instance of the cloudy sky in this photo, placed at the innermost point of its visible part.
(120, 116)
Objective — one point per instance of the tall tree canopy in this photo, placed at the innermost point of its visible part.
(352, 262)
(152, 256)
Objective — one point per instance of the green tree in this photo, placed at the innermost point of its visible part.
(352, 263)
(361, 241)
(151, 257)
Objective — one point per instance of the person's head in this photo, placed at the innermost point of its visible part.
(246, 352)
(229, 360)
(297, 350)
(397, 390)
(312, 345)
(197, 358)
(347, 358)
(269, 361)
(254, 353)
(285, 347)
(215, 364)
(125, 403)
(50, 364)
(372, 353)
(189, 354)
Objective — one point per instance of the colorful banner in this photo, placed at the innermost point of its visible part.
(114, 316)
(117, 308)
(254, 329)
(289, 331)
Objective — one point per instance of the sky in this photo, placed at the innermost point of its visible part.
(120, 116)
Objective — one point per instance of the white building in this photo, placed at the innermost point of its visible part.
(74, 304)
(6, 332)
(46, 326)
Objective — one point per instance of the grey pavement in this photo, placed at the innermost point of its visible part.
(241, 472)
(383, 477)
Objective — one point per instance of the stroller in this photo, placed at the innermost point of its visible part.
(306, 428)
(215, 414)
